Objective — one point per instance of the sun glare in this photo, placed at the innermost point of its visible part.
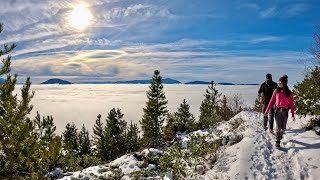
(80, 17)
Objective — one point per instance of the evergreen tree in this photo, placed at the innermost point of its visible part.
(100, 140)
(154, 112)
(70, 138)
(116, 133)
(84, 148)
(171, 127)
(225, 111)
(51, 156)
(51, 144)
(307, 94)
(210, 107)
(19, 148)
(45, 128)
(185, 120)
(133, 138)
(84, 142)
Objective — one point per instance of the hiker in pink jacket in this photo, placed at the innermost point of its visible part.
(283, 98)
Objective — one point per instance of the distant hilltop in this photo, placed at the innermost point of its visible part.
(146, 81)
(220, 83)
(56, 81)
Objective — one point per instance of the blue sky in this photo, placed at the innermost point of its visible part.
(224, 41)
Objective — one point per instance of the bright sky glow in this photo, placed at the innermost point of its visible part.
(80, 17)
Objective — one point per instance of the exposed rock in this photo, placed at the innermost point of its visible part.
(57, 172)
(138, 156)
(85, 178)
(200, 169)
(151, 167)
(225, 140)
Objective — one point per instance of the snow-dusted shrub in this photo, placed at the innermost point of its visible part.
(136, 175)
(235, 123)
(199, 149)
(151, 158)
(173, 160)
(117, 174)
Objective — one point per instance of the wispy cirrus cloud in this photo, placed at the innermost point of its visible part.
(187, 61)
(252, 6)
(265, 39)
(269, 12)
(284, 11)
(129, 39)
(295, 9)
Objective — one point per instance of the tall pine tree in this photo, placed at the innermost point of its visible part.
(70, 138)
(100, 140)
(19, 147)
(84, 142)
(209, 108)
(116, 133)
(154, 112)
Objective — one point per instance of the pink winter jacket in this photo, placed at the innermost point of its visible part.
(282, 101)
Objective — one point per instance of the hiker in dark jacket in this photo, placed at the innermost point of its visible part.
(283, 98)
(265, 91)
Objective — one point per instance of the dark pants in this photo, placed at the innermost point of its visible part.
(271, 116)
(281, 120)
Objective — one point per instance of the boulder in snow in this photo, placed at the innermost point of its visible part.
(168, 176)
(138, 156)
(57, 172)
(200, 169)
(151, 167)
(85, 178)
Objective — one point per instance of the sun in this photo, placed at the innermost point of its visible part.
(80, 17)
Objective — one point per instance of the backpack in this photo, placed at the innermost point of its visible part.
(267, 90)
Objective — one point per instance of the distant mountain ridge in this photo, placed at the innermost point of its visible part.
(146, 81)
(197, 82)
(219, 83)
(56, 81)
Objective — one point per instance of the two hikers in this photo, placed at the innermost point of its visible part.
(265, 91)
(283, 98)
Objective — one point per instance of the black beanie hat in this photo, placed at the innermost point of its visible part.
(268, 76)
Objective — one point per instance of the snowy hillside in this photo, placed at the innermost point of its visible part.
(254, 157)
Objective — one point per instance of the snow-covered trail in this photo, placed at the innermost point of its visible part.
(256, 157)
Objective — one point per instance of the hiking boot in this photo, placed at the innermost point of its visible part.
(271, 131)
(277, 144)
